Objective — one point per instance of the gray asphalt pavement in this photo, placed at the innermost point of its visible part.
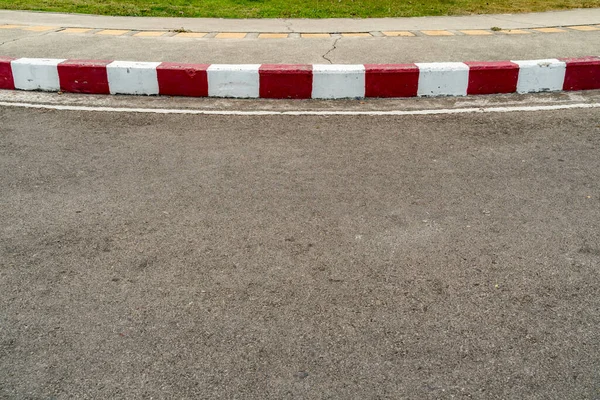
(313, 257)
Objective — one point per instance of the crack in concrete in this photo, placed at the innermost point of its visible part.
(11, 41)
(333, 47)
(25, 37)
(288, 25)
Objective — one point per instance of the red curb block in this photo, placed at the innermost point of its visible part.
(6, 76)
(84, 76)
(176, 79)
(278, 81)
(492, 77)
(582, 73)
(391, 80)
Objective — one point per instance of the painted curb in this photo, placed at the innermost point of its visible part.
(319, 81)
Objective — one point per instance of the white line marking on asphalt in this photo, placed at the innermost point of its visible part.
(302, 113)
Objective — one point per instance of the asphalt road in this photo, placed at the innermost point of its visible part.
(313, 257)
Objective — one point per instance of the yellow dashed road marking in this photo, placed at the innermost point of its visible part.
(112, 32)
(149, 34)
(76, 30)
(272, 35)
(398, 33)
(11, 26)
(315, 35)
(549, 30)
(515, 32)
(231, 35)
(585, 28)
(356, 34)
(191, 34)
(437, 33)
(41, 28)
(476, 32)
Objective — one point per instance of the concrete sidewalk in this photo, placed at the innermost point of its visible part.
(505, 21)
(42, 35)
(18, 43)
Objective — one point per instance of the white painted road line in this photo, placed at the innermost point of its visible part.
(471, 110)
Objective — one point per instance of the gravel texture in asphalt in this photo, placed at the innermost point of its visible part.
(181, 256)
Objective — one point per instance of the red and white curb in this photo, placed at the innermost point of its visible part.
(317, 81)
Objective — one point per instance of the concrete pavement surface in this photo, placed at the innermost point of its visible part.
(20, 43)
(299, 25)
(354, 257)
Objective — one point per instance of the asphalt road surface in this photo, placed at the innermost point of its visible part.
(308, 257)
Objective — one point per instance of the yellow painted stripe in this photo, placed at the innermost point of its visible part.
(515, 32)
(149, 34)
(112, 32)
(191, 34)
(356, 34)
(476, 32)
(315, 35)
(76, 30)
(272, 35)
(437, 33)
(11, 26)
(398, 33)
(40, 28)
(549, 30)
(231, 35)
(585, 28)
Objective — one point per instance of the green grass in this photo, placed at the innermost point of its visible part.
(294, 8)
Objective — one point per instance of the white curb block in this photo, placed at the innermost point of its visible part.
(541, 75)
(338, 81)
(443, 79)
(36, 74)
(229, 80)
(126, 77)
